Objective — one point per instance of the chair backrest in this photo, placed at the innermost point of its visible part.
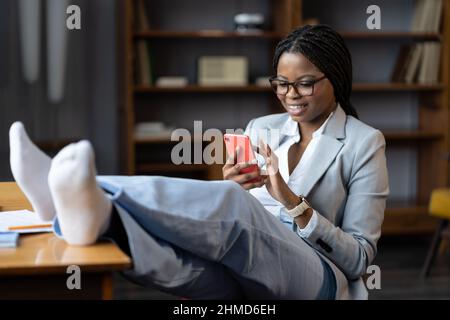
(12, 198)
(440, 203)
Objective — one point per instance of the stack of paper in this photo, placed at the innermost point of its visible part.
(144, 130)
(172, 82)
(8, 239)
(23, 221)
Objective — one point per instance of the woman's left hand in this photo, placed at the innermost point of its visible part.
(275, 183)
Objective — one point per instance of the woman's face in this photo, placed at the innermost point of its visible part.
(308, 109)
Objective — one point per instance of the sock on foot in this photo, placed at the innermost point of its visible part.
(83, 208)
(30, 167)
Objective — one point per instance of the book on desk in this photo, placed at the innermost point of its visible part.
(9, 239)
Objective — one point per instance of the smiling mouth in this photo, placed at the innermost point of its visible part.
(297, 107)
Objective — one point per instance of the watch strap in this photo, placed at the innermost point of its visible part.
(299, 209)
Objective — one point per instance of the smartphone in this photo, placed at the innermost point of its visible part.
(246, 154)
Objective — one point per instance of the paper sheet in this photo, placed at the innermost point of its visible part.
(23, 218)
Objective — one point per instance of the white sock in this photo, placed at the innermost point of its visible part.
(83, 208)
(30, 167)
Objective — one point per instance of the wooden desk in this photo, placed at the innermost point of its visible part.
(37, 268)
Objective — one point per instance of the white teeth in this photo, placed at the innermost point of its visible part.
(297, 107)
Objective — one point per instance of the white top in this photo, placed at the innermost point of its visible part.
(272, 205)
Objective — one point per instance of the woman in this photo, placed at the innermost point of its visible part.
(324, 154)
(327, 181)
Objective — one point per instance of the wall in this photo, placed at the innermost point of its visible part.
(89, 108)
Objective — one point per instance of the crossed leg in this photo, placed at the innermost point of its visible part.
(66, 186)
(215, 226)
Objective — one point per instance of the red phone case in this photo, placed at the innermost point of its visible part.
(232, 141)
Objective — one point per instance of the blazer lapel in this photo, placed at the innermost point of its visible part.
(328, 147)
(327, 150)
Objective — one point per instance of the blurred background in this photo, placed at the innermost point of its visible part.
(137, 69)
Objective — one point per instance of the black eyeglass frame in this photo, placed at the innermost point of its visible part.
(294, 85)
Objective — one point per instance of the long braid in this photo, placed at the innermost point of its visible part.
(326, 49)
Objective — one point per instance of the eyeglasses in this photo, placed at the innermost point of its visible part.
(302, 87)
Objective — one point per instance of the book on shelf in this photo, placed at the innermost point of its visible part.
(414, 63)
(427, 16)
(144, 64)
(142, 16)
(418, 63)
(436, 62)
(429, 68)
(404, 56)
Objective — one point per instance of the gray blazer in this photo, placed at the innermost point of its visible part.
(347, 184)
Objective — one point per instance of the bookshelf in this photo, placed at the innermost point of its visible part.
(413, 116)
(205, 28)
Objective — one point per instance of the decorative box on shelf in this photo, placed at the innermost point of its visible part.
(223, 71)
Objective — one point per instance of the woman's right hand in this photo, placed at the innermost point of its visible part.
(231, 171)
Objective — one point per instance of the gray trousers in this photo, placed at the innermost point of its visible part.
(211, 240)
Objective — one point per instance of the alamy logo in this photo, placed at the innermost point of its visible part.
(74, 280)
(213, 153)
(73, 21)
(374, 280)
(374, 20)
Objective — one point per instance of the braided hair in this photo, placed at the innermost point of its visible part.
(326, 49)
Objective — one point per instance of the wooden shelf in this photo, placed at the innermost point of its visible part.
(397, 87)
(202, 89)
(390, 35)
(407, 217)
(162, 140)
(389, 135)
(411, 135)
(408, 220)
(206, 34)
(401, 206)
(169, 167)
(357, 87)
